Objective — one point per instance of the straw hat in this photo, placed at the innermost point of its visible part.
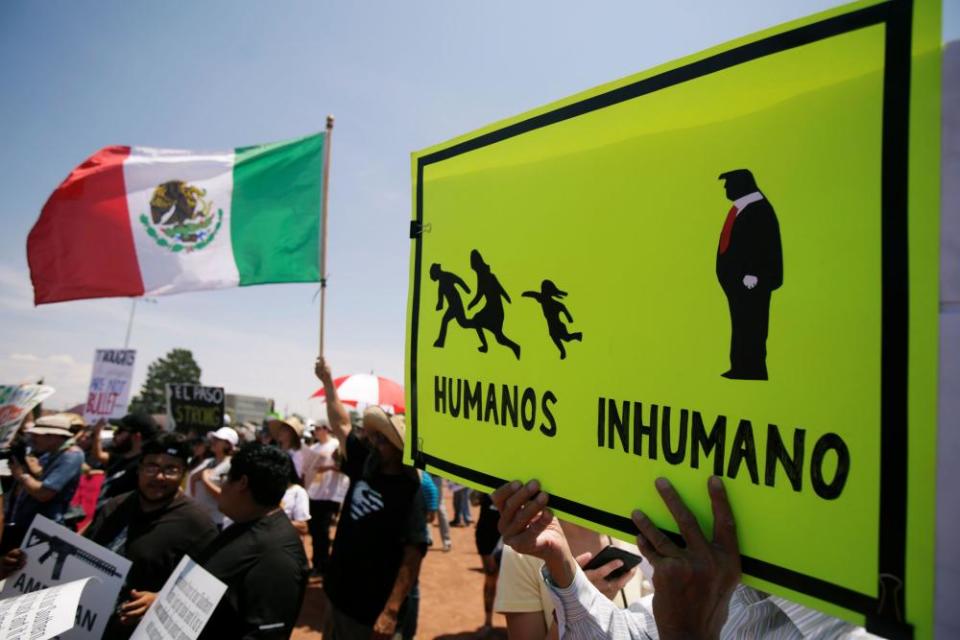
(293, 422)
(55, 425)
(76, 420)
(392, 428)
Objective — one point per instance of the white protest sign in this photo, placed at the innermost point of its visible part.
(41, 615)
(109, 385)
(15, 402)
(183, 606)
(56, 556)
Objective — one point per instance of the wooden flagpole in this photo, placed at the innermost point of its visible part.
(323, 226)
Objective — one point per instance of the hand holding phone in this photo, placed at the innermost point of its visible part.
(610, 553)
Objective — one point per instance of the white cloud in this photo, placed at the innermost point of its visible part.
(270, 354)
(61, 371)
(16, 292)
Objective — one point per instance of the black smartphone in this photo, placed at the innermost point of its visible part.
(610, 552)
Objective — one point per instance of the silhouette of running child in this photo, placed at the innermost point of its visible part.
(447, 290)
(552, 308)
(490, 317)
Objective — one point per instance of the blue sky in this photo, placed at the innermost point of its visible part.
(215, 75)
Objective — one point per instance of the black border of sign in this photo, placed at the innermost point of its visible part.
(884, 613)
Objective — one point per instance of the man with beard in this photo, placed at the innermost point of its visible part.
(382, 534)
(120, 475)
(153, 527)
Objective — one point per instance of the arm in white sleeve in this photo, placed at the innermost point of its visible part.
(583, 613)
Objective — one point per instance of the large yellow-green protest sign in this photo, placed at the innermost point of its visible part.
(725, 265)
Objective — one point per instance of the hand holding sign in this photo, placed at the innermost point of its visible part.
(182, 608)
(15, 560)
(525, 522)
(531, 529)
(53, 555)
(693, 585)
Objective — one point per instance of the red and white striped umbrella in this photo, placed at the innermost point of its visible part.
(365, 389)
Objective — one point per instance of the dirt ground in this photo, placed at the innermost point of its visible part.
(451, 593)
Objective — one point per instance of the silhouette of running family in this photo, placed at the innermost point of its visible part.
(491, 316)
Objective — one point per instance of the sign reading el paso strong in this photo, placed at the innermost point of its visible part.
(724, 266)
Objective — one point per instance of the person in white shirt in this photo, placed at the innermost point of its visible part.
(696, 587)
(525, 599)
(205, 482)
(288, 435)
(296, 504)
(326, 491)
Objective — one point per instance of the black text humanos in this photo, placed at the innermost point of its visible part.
(501, 404)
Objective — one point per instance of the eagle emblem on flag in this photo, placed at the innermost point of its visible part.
(180, 218)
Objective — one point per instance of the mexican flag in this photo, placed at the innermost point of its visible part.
(133, 221)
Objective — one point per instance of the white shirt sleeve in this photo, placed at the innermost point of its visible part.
(301, 504)
(583, 613)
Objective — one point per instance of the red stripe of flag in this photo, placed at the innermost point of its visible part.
(82, 245)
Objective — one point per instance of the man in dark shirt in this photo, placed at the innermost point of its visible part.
(120, 475)
(153, 527)
(260, 556)
(382, 533)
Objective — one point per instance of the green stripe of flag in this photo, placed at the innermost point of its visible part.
(275, 211)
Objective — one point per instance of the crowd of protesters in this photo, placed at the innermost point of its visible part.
(241, 501)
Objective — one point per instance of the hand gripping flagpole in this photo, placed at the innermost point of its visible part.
(323, 226)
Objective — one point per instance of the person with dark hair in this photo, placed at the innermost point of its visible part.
(487, 538)
(203, 483)
(120, 473)
(259, 557)
(153, 527)
(200, 452)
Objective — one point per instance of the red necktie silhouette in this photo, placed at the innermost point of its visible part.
(727, 230)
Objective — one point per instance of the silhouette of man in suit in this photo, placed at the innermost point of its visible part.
(749, 268)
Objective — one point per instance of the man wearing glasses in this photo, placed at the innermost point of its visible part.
(153, 527)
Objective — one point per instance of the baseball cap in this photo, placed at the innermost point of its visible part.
(171, 444)
(140, 423)
(226, 434)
